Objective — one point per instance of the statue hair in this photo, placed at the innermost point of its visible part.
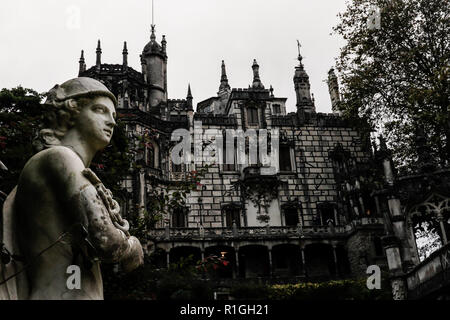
(59, 117)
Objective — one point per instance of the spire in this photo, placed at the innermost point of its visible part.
(125, 55)
(189, 99)
(224, 86)
(333, 89)
(189, 94)
(257, 84)
(99, 56)
(82, 64)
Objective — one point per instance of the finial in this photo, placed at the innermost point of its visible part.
(125, 50)
(313, 100)
(300, 58)
(152, 36)
(98, 46)
(82, 56)
(271, 91)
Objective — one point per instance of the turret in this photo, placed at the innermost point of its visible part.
(333, 89)
(125, 56)
(154, 68)
(257, 84)
(98, 52)
(302, 87)
(82, 64)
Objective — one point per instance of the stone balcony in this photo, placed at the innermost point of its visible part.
(258, 233)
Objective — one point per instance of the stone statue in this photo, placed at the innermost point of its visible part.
(60, 218)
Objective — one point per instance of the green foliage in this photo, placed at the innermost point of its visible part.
(249, 291)
(396, 76)
(181, 281)
(20, 116)
(330, 290)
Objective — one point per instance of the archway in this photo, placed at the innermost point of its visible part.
(286, 260)
(320, 261)
(254, 261)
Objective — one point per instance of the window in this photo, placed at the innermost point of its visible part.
(252, 115)
(291, 216)
(285, 158)
(326, 211)
(378, 246)
(232, 214)
(276, 109)
(150, 158)
(227, 166)
(177, 167)
(179, 218)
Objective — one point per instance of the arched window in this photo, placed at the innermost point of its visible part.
(429, 221)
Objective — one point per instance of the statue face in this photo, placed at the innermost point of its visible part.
(96, 121)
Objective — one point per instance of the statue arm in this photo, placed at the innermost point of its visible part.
(85, 206)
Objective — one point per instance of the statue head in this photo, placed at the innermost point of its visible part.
(77, 103)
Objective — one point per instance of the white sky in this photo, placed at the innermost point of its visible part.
(40, 41)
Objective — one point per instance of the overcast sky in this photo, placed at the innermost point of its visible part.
(41, 41)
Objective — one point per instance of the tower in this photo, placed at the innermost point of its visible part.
(333, 89)
(302, 87)
(154, 68)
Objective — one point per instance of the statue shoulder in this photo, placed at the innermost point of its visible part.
(53, 162)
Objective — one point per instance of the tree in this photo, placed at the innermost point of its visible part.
(394, 71)
(21, 117)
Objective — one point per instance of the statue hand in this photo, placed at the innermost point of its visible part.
(136, 257)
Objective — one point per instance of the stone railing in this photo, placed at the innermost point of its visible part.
(244, 232)
(430, 275)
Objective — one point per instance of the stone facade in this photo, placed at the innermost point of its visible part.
(313, 218)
